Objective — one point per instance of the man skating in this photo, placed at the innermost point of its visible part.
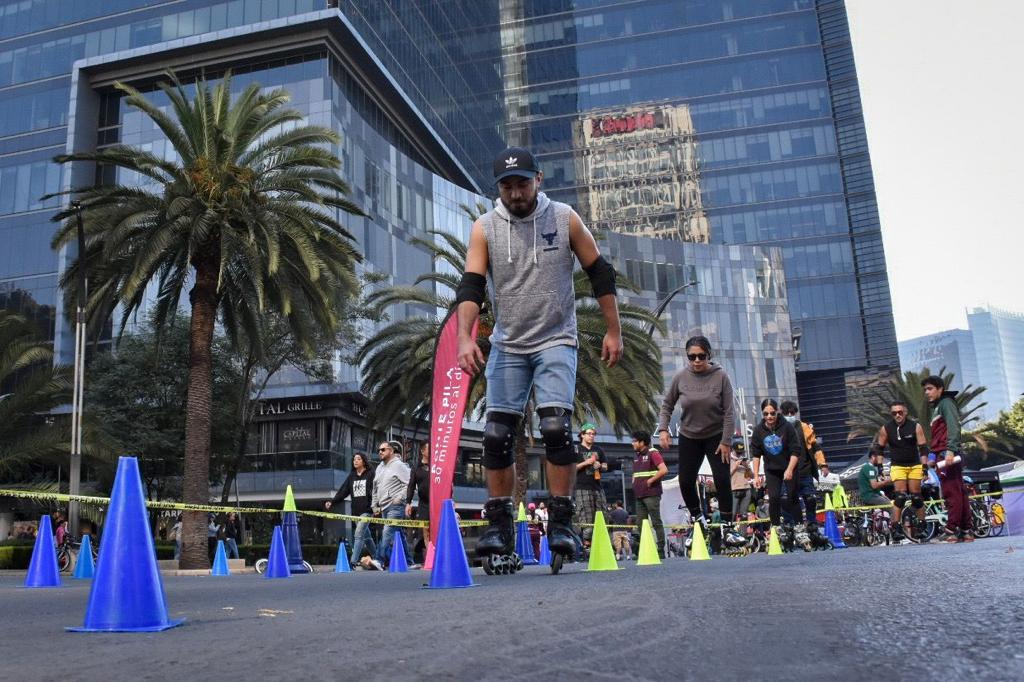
(527, 247)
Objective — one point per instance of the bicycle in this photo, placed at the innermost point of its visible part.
(996, 513)
(870, 527)
(261, 566)
(981, 519)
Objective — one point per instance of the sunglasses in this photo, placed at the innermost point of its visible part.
(693, 357)
(382, 449)
(769, 414)
(896, 413)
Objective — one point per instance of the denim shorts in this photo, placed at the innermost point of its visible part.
(551, 372)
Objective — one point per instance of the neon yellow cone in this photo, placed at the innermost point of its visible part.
(648, 550)
(699, 546)
(828, 502)
(839, 499)
(774, 547)
(522, 513)
(289, 500)
(602, 557)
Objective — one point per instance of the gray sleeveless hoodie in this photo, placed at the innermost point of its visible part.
(530, 277)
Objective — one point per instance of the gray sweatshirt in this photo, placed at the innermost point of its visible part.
(706, 401)
(389, 483)
(529, 272)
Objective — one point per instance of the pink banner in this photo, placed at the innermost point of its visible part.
(447, 406)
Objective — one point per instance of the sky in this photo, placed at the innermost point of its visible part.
(942, 87)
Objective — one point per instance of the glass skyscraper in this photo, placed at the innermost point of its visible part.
(724, 126)
(725, 121)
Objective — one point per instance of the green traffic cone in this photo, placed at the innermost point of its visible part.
(699, 546)
(602, 557)
(774, 547)
(522, 513)
(648, 550)
(289, 500)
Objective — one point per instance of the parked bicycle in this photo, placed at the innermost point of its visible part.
(867, 528)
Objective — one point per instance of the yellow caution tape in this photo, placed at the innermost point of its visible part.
(644, 474)
(180, 506)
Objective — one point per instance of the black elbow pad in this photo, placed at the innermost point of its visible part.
(471, 288)
(602, 277)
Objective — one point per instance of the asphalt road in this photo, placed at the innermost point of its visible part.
(935, 612)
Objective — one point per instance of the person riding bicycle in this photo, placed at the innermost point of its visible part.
(908, 451)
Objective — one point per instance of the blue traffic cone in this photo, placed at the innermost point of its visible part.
(127, 592)
(451, 567)
(292, 546)
(524, 545)
(84, 567)
(832, 530)
(220, 561)
(545, 551)
(42, 569)
(398, 563)
(342, 565)
(277, 562)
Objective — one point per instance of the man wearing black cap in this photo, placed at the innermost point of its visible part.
(527, 247)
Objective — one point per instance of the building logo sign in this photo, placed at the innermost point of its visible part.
(630, 123)
(279, 407)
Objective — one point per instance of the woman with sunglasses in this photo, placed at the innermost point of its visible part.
(775, 440)
(704, 392)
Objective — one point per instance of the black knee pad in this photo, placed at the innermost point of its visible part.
(916, 501)
(900, 500)
(556, 433)
(499, 440)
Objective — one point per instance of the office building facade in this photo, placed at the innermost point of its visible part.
(999, 342)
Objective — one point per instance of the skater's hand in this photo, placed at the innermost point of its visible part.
(757, 482)
(788, 476)
(723, 452)
(611, 349)
(949, 458)
(664, 440)
(327, 506)
(471, 358)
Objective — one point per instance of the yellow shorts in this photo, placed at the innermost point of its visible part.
(904, 473)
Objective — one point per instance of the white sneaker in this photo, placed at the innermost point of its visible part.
(377, 566)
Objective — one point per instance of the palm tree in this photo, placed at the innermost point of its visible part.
(30, 386)
(871, 408)
(246, 215)
(622, 396)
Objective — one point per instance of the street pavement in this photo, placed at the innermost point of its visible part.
(935, 612)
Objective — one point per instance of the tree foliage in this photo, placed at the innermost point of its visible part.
(30, 386)
(244, 215)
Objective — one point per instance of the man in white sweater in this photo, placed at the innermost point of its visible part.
(390, 481)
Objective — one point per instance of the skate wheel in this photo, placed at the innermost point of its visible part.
(556, 563)
(517, 563)
(488, 564)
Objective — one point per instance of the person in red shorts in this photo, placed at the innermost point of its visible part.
(945, 444)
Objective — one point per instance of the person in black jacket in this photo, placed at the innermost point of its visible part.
(359, 485)
(775, 440)
(419, 484)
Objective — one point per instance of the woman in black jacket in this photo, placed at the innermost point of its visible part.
(359, 485)
(775, 440)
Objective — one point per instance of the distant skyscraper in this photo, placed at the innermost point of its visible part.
(952, 350)
(999, 342)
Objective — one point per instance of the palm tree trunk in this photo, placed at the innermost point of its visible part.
(196, 479)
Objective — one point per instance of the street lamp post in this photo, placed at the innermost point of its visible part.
(75, 474)
(664, 304)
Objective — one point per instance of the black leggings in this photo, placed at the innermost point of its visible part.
(773, 482)
(692, 452)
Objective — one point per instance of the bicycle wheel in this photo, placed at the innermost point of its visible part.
(260, 566)
(979, 517)
(64, 560)
(309, 567)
